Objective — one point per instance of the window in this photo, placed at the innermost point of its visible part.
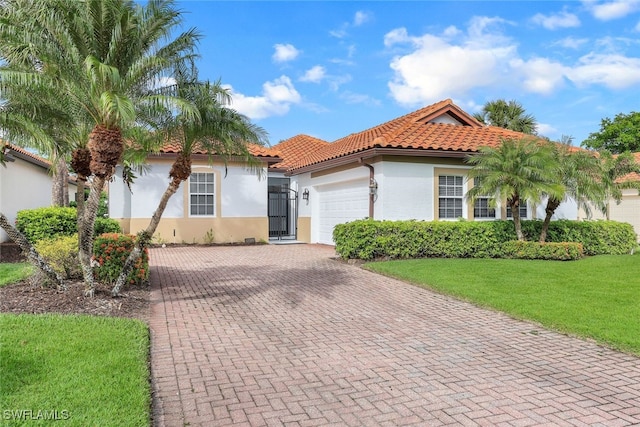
(450, 196)
(482, 206)
(201, 194)
(522, 209)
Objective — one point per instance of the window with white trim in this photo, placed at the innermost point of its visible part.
(522, 208)
(202, 194)
(482, 206)
(450, 194)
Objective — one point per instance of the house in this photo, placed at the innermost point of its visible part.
(25, 183)
(411, 167)
(628, 210)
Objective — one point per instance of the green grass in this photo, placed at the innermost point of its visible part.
(11, 273)
(596, 297)
(83, 370)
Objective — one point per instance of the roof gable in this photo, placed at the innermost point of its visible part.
(294, 149)
(442, 126)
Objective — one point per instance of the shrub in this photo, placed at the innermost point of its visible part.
(562, 251)
(368, 239)
(111, 250)
(47, 223)
(106, 225)
(62, 255)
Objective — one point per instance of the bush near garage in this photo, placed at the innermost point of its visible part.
(369, 239)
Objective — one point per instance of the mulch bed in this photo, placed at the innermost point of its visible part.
(23, 297)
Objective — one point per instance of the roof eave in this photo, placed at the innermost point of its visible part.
(374, 152)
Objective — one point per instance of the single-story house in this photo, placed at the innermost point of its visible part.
(411, 167)
(25, 183)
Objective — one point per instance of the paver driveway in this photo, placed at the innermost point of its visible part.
(283, 335)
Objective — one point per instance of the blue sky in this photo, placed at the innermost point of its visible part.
(328, 69)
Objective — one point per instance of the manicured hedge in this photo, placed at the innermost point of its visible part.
(564, 251)
(48, 223)
(369, 239)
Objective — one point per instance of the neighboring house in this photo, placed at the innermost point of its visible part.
(221, 203)
(628, 210)
(25, 183)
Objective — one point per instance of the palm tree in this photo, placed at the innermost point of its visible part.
(217, 130)
(516, 170)
(106, 61)
(579, 172)
(508, 115)
(614, 168)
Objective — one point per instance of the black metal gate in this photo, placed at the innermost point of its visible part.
(283, 210)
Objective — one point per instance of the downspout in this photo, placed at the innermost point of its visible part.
(373, 187)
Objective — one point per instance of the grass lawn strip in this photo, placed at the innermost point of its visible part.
(14, 272)
(596, 297)
(82, 370)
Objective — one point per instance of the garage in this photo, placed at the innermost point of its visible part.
(340, 203)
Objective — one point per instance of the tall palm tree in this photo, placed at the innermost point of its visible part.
(508, 115)
(217, 130)
(579, 172)
(516, 170)
(107, 60)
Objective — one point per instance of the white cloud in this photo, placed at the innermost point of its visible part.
(546, 129)
(361, 17)
(314, 74)
(276, 99)
(437, 67)
(395, 36)
(614, 71)
(610, 10)
(451, 31)
(562, 19)
(359, 98)
(571, 42)
(540, 75)
(637, 27)
(285, 52)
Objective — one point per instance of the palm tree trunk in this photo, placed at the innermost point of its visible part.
(60, 186)
(144, 237)
(33, 256)
(85, 233)
(552, 205)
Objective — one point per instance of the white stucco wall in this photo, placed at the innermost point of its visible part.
(22, 186)
(242, 194)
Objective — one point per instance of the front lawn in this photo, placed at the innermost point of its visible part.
(596, 297)
(78, 370)
(14, 272)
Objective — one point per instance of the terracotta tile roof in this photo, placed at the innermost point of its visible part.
(414, 130)
(634, 176)
(255, 149)
(26, 155)
(294, 149)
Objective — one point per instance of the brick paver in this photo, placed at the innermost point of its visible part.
(286, 336)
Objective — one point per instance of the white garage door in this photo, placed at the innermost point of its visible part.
(340, 203)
